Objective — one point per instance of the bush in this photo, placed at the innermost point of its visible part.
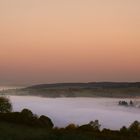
(91, 126)
(26, 117)
(45, 122)
(135, 127)
(71, 127)
(27, 113)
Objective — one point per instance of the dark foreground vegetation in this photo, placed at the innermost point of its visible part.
(93, 89)
(25, 125)
(21, 131)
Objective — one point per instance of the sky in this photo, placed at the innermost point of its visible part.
(51, 41)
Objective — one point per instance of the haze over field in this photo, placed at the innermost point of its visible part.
(49, 41)
(64, 111)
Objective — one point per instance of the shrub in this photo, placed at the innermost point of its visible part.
(45, 122)
(27, 113)
(71, 127)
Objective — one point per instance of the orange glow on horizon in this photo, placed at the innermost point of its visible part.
(69, 41)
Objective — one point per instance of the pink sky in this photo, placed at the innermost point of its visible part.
(46, 41)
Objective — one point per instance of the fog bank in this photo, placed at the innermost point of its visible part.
(64, 111)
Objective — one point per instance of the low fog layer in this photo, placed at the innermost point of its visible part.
(64, 111)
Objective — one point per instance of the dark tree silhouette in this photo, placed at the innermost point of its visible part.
(131, 103)
(91, 126)
(5, 105)
(27, 113)
(135, 126)
(45, 121)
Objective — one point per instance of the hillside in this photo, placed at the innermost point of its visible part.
(94, 89)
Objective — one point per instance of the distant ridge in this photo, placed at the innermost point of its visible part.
(88, 85)
(91, 89)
